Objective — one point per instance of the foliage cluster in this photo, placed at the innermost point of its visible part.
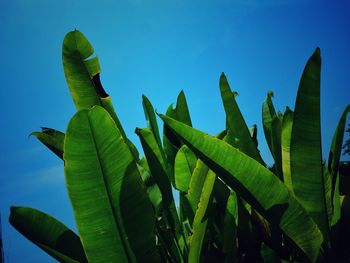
(232, 207)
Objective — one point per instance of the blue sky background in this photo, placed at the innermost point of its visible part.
(154, 48)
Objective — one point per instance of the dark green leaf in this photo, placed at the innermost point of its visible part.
(110, 202)
(48, 233)
(52, 139)
(305, 146)
(277, 204)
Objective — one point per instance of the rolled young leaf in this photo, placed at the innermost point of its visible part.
(266, 193)
(110, 202)
(48, 233)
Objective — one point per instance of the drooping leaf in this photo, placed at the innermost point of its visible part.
(305, 146)
(83, 78)
(287, 124)
(48, 233)
(277, 204)
(79, 69)
(52, 139)
(110, 202)
(236, 124)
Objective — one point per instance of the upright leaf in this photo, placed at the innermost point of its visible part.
(277, 204)
(230, 229)
(200, 219)
(151, 119)
(48, 233)
(268, 113)
(287, 124)
(182, 112)
(305, 146)
(336, 146)
(276, 134)
(110, 202)
(236, 123)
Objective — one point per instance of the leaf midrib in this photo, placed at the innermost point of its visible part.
(108, 191)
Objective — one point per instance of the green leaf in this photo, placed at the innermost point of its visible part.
(48, 233)
(79, 69)
(276, 134)
(305, 146)
(200, 219)
(268, 113)
(229, 231)
(106, 103)
(197, 181)
(287, 124)
(277, 204)
(236, 124)
(156, 163)
(151, 119)
(182, 112)
(153, 191)
(52, 139)
(158, 169)
(254, 134)
(185, 162)
(110, 202)
(336, 147)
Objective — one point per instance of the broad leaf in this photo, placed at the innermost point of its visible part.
(305, 146)
(48, 233)
(110, 202)
(251, 181)
(52, 139)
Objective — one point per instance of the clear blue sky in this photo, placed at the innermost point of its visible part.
(154, 48)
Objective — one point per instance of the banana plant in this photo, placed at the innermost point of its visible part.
(231, 206)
